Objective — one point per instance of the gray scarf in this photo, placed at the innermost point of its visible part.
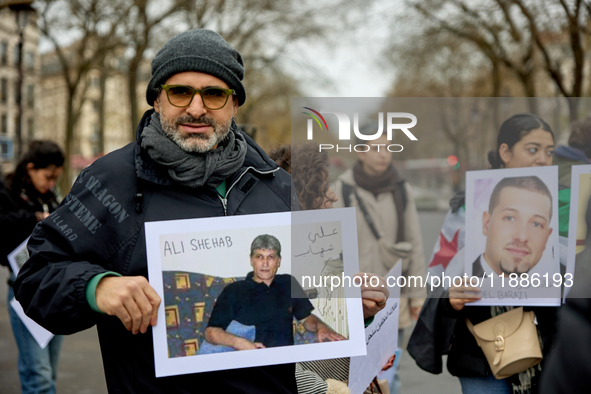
(194, 169)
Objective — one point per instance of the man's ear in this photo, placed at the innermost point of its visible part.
(236, 105)
(485, 222)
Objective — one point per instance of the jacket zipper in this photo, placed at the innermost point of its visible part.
(224, 200)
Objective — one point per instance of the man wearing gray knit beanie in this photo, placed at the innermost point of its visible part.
(197, 59)
(89, 266)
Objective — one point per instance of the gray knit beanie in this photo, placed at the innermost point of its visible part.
(197, 50)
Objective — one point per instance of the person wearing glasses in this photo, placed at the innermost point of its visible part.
(88, 260)
(264, 300)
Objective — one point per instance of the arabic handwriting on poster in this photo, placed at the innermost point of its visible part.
(320, 252)
(381, 323)
(314, 237)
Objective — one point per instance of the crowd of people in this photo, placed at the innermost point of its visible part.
(191, 160)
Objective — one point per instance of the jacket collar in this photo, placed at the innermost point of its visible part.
(149, 170)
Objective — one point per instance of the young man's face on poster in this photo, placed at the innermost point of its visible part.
(517, 230)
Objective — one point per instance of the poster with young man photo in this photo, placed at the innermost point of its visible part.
(512, 236)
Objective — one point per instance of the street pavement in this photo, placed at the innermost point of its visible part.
(81, 370)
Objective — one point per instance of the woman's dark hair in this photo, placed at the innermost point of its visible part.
(42, 154)
(513, 130)
(309, 171)
(282, 156)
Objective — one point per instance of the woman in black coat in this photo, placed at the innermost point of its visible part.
(26, 198)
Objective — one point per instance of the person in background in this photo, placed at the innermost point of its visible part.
(309, 169)
(578, 151)
(524, 140)
(387, 225)
(26, 198)
(568, 365)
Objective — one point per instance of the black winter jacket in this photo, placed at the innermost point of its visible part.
(99, 227)
(569, 365)
(17, 217)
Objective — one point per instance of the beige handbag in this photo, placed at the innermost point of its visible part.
(509, 342)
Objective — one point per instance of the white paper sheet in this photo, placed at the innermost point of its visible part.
(381, 339)
(41, 335)
(17, 258)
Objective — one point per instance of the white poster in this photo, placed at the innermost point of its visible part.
(17, 258)
(381, 338)
(41, 335)
(512, 249)
(578, 228)
(220, 296)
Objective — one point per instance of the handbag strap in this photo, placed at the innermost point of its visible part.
(368, 218)
(400, 209)
(375, 383)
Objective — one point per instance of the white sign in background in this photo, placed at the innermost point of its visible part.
(578, 209)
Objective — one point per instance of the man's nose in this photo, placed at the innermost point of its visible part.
(196, 109)
(521, 232)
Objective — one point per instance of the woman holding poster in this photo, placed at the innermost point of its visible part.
(26, 198)
(524, 140)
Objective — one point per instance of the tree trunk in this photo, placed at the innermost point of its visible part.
(131, 89)
(102, 110)
(66, 179)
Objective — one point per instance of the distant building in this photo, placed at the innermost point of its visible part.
(9, 39)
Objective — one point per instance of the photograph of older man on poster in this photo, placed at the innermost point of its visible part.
(264, 300)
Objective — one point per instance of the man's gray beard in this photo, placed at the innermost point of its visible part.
(195, 143)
